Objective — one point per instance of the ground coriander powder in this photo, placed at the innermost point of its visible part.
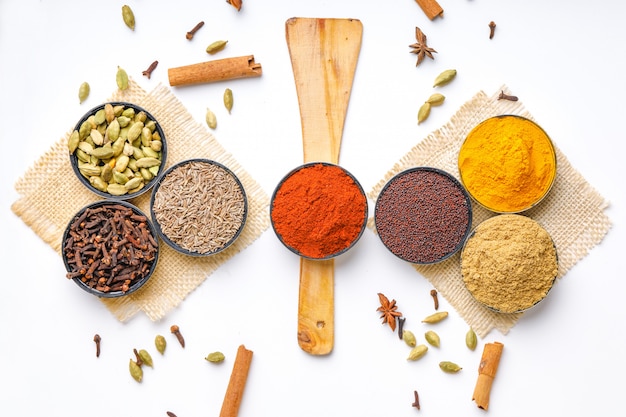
(509, 263)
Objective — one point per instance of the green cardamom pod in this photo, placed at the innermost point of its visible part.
(449, 367)
(84, 129)
(106, 173)
(211, 120)
(228, 99)
(73, 141)
(147, 162)
(119, 178)
(215, 357)
(436, 99)
(109, 114)
(123, 121)
(135, 371)
(128, 16)
(156, 145)
(121, 78)
(148, 151)
(409, 338)
(146, 358)
(470, 339)
(146, 174)
(436, 317)
(104, 152)
(116, 189)
(83, 91)
(96, 137)
(432, 338)
(216, 46)
(423, 112)
(82, 155)
(133, 183)
(98, 183)
(89, 170)
(444, 78)
(134, 131)
(417, 352)
(160, 343)
(100, 117)
(129, 112)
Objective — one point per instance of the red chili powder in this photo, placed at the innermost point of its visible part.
(423, 215)
(319, 210)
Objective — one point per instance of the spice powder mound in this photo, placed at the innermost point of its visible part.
(199, 206)
(509, 263)
(423, 215)
(319, 210)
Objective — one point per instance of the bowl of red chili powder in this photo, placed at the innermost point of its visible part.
(319, 210)
(423, 215)
(110, 248)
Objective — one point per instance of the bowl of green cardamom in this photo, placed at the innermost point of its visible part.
(117, 150)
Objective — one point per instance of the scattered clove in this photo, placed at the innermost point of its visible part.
(151, 68)
(416, 403)
(492, 29)
(193, 31)
(503, 96)
(170, 414)
(139, 361)
(401, 321)
(433, 293)
(97, 339)
(176, 331)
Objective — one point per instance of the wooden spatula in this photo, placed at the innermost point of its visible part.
(324, 54)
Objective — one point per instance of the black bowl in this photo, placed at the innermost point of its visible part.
(109, 248)
(175, 236)
(341, 245)
(150, 177)
(423, 215)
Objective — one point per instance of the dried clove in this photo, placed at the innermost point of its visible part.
(401, 321)
(433, 293)
(503, 96)
(151, 68)
(492, 29)
(170, 414)
(97, 339)
(193, 31)
(416, 403)
(176, 331)
(139, 361)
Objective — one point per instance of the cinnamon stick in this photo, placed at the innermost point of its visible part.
(431, 8)
(237, 383)
(216, 70)
(486, 373)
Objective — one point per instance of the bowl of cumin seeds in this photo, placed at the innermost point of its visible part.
(199, 207)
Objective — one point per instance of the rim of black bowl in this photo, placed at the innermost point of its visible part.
(359, 187)
(172, 244)
(522, 310)
(149, 184)
(461, 188)
(136, 285)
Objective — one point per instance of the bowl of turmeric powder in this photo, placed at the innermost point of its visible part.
(319, 210)
(507, 164)
(509, 263)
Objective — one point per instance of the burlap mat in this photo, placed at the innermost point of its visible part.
(573, 212)
(176, 275)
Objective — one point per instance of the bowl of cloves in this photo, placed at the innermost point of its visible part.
(110, 248)
(117, 150)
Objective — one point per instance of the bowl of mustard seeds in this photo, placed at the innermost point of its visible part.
(199, 207)
(509, 263)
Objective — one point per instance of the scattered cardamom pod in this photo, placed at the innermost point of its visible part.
(470, 339)
(444, 78)
(160, 343)
(409, 338)
(449, 367)
(423, 112)
(417, 352)
(216, 46)
(135, 371)
(83, 91)
(215, 357)
(73, 141)
(128, 16)
(436, 99)
(436, 317)
(211, 120)
(228, 99)
(121, 78)
(432, 338)
(146, 358)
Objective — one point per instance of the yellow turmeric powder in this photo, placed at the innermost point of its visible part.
(507, 163)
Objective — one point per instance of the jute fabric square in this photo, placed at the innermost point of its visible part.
(573, 212)
(176, 275)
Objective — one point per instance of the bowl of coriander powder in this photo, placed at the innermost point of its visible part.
(509, 263)
(199, 207)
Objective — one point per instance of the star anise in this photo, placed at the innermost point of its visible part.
(420, 47)
(389, 310)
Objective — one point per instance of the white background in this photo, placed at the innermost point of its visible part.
(564, 59)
